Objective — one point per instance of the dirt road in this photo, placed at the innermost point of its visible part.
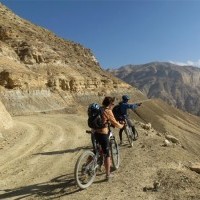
(37, 158)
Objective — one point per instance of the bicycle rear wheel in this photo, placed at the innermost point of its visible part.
(85, 169)
(114, 154)
(129, 135)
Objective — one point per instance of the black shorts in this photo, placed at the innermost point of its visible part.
(103, 140)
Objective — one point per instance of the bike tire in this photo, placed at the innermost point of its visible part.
(85, 171)
(129, 135)
(114, 149)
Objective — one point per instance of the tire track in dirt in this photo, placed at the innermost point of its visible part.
(43, 151)
(28, 140)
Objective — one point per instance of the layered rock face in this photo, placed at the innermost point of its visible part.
(177, 85)
(40, 71)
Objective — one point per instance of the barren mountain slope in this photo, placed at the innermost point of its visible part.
(38, 155)
(40, 71)
(177, 85)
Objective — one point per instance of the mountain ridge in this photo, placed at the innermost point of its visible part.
(177, 85)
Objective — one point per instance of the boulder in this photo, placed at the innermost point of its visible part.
(5, 118)
(146, 126)
(172, 139)
(195, 167)
(167, 143)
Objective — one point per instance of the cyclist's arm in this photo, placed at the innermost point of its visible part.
(112, 119)
(133, 106)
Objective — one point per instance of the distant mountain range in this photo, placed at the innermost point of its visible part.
(177, 85)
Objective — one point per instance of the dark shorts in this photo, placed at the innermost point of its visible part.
(103, 140)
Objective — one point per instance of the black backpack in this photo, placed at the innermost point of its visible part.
(117, 112)
(95, 116)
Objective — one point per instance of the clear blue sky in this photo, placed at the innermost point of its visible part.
(121, 32)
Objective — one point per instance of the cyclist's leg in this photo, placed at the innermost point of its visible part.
(96, 149)
(134, 133)
(120, 135)
(133, 129)
(104, 142)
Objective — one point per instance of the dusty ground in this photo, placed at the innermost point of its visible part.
(37, 158)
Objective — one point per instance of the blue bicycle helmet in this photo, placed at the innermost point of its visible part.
(94, 106)
(93, 109)
(125, 98)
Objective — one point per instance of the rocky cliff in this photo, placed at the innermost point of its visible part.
(40, 71)
(177, 85)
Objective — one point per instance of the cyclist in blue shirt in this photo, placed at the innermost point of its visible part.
(124, 106)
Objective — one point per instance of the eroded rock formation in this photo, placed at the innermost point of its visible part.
(40, 71)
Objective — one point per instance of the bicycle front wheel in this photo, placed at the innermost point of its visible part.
(129, 135)
(85, 169)
(114, 154)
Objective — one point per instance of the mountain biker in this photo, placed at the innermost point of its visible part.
(102, 135)
(124, 106)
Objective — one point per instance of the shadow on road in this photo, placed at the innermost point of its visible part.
(64, 151)
(60, 186)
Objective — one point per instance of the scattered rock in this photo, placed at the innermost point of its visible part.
(146, 126)
(172, 139)
(195, 167)
(155, 188)
(167, 143)
(158, 134)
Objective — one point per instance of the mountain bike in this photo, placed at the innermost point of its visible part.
(129, 133)
(89, 162)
